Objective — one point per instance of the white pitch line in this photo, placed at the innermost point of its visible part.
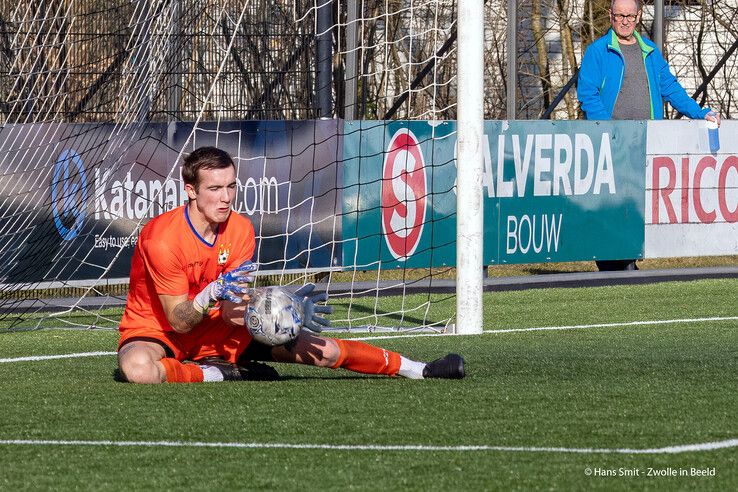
(614, 325)
(556, 328)
(35, 358)
(684, 448)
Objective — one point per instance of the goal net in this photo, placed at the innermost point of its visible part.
(336, 114)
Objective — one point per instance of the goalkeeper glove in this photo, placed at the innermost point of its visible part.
(226, 287)
(305, 299)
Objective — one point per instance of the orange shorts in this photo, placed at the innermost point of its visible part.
(211, 338)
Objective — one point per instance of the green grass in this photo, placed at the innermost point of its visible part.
(100, 318)
(645, 386)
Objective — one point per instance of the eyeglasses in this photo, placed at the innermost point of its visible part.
(622, 17)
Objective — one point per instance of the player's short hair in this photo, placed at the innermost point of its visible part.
(639, 4)
(204, 158)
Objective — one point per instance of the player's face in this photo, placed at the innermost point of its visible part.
(624, 16)
(215, 193)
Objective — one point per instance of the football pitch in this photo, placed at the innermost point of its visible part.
(609, 388)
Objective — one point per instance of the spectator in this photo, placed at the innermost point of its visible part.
(624, 77)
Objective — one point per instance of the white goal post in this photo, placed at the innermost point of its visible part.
(470, 165)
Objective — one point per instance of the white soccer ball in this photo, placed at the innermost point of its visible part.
(272, 316)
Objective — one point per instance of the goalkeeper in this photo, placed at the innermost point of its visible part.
(191, 261)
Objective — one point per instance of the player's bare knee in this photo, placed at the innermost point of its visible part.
(308, 349)
(139, 368)
(330, 353)
(141, 373)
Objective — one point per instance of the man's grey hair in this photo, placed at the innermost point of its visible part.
(639, 4)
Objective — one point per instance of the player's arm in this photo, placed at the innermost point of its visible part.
(170, 283)
(181, 313)
(184, 314)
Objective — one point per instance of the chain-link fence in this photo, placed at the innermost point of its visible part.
(79, 60)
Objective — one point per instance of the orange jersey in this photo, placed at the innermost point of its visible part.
(170, 258)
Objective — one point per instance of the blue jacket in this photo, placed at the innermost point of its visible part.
(601, 76)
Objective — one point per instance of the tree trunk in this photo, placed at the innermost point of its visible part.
(536, 23)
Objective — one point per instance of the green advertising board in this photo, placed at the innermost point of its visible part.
(564, 191)
(554, 191)
(398, 199)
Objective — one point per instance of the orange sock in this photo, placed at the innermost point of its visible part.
(181, 373)
(367, 359)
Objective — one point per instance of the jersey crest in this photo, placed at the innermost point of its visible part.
(223, 252)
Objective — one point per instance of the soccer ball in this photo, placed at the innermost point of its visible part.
(273, 317)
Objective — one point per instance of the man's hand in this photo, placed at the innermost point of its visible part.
(228, 286)
(713, 116)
